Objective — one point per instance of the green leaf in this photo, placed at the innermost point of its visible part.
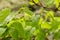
(26, 10)
(41, 35)
(14, 34)
(28, 32)
(57, 18)
(54, 25)
(49, 3)
(4, 13)
(57, 3)
(5, 33)
(58, 8)
(35, 20)
(2, 30)
(45, 25)
(36, 1)
(8, 18)
(57, 35)
(50, 14)
(31, 3)
(18, 26)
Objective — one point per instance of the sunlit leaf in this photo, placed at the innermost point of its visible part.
(50, 13)
(31, 3)
(57, 18)
(45, 25)
(36, 1)
(57, 3)
(40, 21)
(22, 21)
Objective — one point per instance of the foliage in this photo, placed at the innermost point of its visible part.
(31, 26)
